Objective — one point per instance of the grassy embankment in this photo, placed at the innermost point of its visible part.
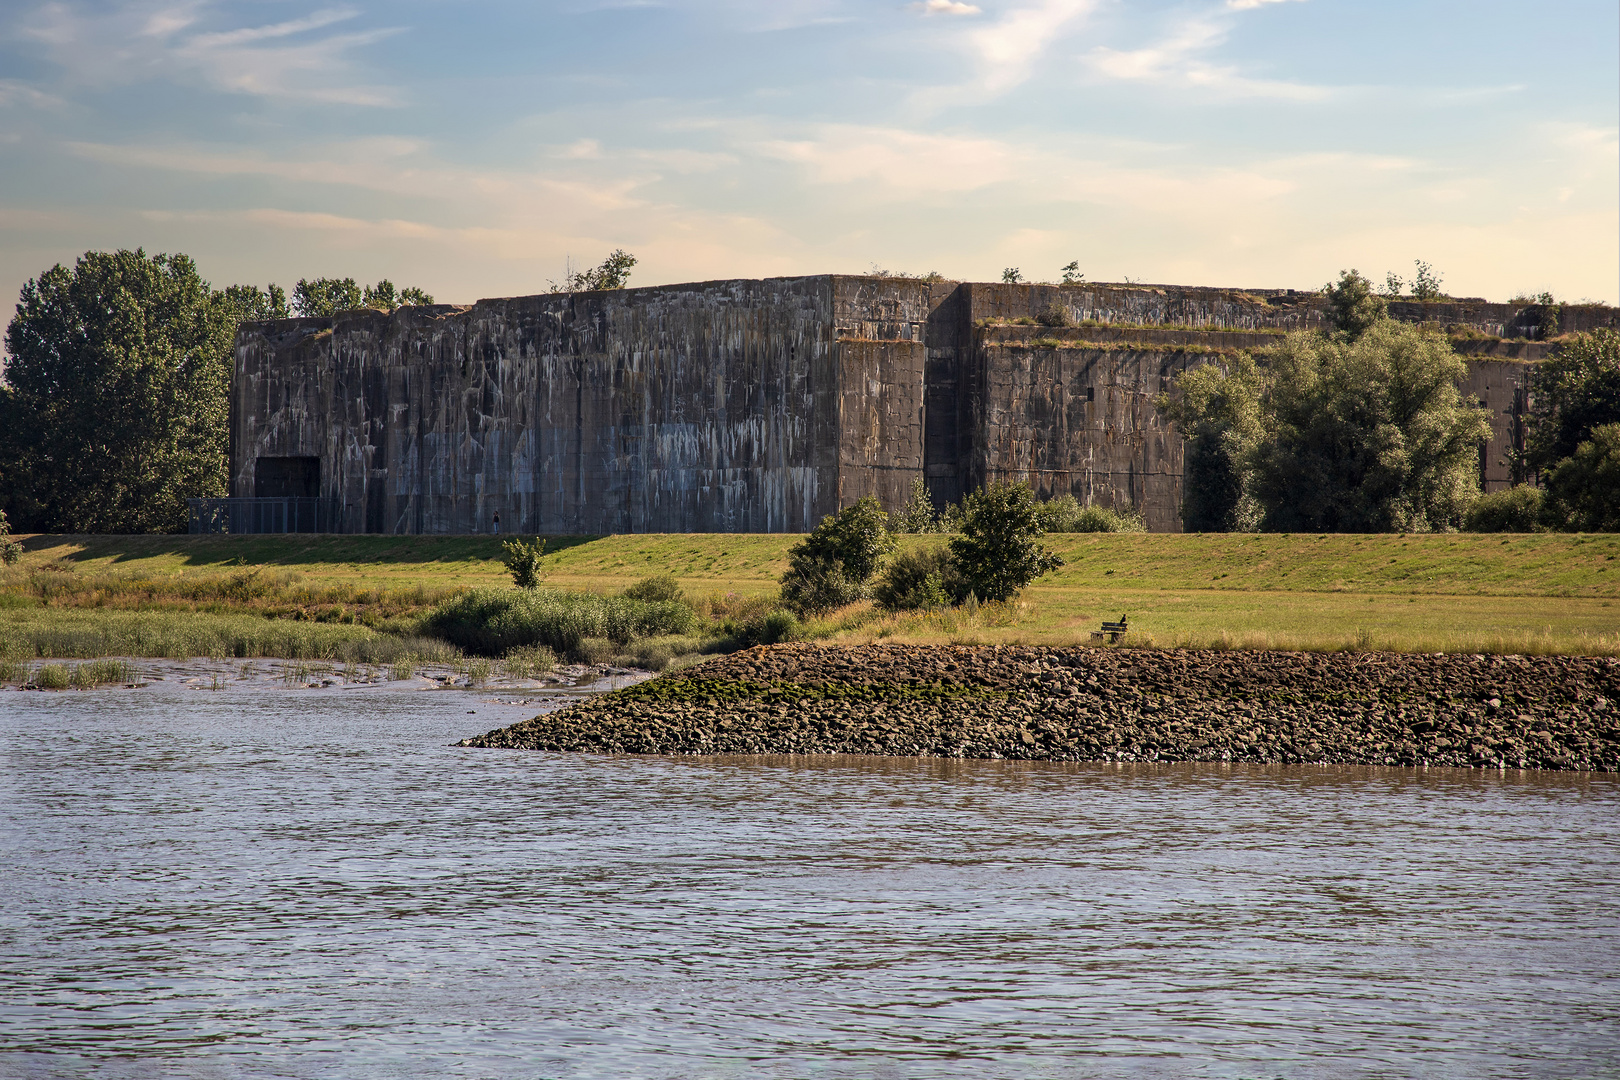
(359, 597)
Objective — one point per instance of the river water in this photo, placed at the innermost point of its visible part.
(314, 884)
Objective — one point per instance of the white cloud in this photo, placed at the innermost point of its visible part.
(843, 195)
(317, 21)
(1009, 48)
(138, 41)
(945, 7)
(1004, 54)
(1250, 5)
(1176, 61)
(581, 150)
(899, 159)
(13, 92)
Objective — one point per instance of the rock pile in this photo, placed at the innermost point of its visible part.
(1102, 704)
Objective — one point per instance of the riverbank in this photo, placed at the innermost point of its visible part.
(544, 685)
(1109, 704)
(364, 597)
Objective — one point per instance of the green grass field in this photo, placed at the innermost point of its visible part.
(1453, 592)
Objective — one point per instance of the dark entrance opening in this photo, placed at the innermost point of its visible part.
(287, 478)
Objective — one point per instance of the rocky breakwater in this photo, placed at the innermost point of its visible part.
(1109, 704)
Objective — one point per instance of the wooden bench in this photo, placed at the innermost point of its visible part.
(1113, 631)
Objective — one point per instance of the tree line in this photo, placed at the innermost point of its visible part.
(114, 407)
(1362, 428)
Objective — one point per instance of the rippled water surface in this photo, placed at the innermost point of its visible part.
(316, 884)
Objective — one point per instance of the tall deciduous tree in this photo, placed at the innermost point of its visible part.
(328, 296)
(1583, 490)
(1218, 414)
(1353, 307)
(254, 304)
(1358, 429)
(1367, 434)
(113, 409)
(1571, 395)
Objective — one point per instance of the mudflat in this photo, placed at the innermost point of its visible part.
(1109, 704)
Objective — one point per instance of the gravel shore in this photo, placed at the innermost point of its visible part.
(1109, 704)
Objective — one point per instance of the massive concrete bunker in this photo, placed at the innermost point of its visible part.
(760, 406)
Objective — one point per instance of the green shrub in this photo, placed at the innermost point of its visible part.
(918, 515)
(998, 552)
(1065, 515)
(815, 588)
(658, 589)
(1055, 315)
(1353, 307)
(522, 561)
(922, 580)
(495, 621)
(770, 628)
(832, 566)
(1516, 510)
(10, 550)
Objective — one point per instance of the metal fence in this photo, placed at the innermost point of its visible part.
(265, 515)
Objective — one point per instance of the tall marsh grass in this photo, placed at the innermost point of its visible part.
(76, 634)
(262, 590)
(84, 676)
(493, 622)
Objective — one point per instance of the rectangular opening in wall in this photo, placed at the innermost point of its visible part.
(1091, 393)
(287, 478)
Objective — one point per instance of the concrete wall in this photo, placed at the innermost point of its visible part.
(1083, 422)
(687, 408)
(746, 406)
(1499, 385)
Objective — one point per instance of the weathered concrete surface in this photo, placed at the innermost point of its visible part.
(1084, 422)
(1500, 386)
(687, 408)
(760, 406)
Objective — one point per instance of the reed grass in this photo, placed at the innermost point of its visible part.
(101, 672)
(267, 591)
(528, 662)
(52, 677)
(74, 634)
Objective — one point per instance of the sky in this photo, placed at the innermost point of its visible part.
(480, 149)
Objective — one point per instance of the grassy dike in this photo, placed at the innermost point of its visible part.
(307, 595)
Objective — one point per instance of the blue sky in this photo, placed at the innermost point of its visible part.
(472, 148)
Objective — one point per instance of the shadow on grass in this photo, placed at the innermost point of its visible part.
(286, 549)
